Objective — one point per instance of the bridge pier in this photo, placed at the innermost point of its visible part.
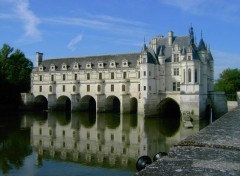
(125, 104)
(52, 102)
(100, 103)
(75, 99)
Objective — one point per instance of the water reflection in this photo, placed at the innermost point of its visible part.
(14, 146)
(106, 140)
(100, 140)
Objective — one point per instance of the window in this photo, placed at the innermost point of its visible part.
(88, 88)
(88, 147)
(184, 76)
(112, 75)
(100, 148)
(64, 144)
(189, 58)
(138, 74)
(63, 133)
(176, 86)
(124, 75)
(149, 88)
(40, 88)
(64, 77)
(100, 76)
(176, 57)
(74, 88)
(40, 77)
(144, 73)
(75, 76)
(88, 76)
(40, 131)
(99, 88)
(112, 88)
(189, 75)
(176, 71)
(123, 88)
(50, 132)
(138, 87)
(88, 135)
(63, 88)
(112, 149)
(196, 76)
(50, 88)
(123, 138)
(149, 73)
(52, 77)
(112, 137)
(144, 87)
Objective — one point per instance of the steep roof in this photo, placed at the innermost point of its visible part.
(94, 60)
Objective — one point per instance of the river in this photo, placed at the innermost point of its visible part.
(60, 143)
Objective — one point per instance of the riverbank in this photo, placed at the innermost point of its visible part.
(215, 150)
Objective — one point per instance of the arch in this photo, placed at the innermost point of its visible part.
(88, 103)
(169, 108)
(133, 105)
(169, 112)
(63, 103)
(112, 104)
(40, 103)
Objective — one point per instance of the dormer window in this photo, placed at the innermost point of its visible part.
(124, 63)
(100, 65)
(112, 64)
(52, 67)
(40, 68)
(75, 66)
(64, 66)
(88, 65)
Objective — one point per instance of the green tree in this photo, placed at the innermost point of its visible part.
(229, 82)
(15, 70)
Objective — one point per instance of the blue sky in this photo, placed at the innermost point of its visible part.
(62, 28)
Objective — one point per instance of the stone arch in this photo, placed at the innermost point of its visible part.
(40, 103)
(133, 105)
(112, 104)
(88, 103)
(63, 103)
(170, 114)
(169, 108)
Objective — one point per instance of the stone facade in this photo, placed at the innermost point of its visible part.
(172, 66)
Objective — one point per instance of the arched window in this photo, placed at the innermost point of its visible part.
(74, 88)
(189, 75)
(196, 76)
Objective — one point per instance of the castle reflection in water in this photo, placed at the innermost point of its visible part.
(103, 140)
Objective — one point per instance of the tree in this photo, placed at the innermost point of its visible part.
(229, 82)
(15, 70)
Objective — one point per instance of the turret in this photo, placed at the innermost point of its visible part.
(39, 57)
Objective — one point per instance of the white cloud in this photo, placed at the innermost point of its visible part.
(224, 10)
(20, 10)
(73, 43)
(30, 20)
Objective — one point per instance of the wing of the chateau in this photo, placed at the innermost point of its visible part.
(174, 66)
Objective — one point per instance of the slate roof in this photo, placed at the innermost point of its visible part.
(94, 60)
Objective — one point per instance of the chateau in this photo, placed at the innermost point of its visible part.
(174, 66)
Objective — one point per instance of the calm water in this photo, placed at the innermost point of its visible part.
(82, 143)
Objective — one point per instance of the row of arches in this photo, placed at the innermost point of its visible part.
(87, 103)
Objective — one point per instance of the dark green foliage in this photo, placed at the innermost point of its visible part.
(229, 82)
(15, 70)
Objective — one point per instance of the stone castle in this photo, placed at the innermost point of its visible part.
(174, 66)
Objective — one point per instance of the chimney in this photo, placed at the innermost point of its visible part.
(170, 38)
(39, 57)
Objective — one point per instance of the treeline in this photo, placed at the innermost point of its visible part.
(15, 70)
(229, 82)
